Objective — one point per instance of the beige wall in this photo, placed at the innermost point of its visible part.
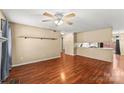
(33, 50)
(68, 41)
(122, 43)
(100, 35)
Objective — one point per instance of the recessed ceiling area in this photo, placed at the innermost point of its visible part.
(85, 19)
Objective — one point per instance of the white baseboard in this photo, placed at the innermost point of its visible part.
(34, 61)
(94, 58)
(70, 54)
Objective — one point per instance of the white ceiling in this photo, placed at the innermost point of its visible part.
(85, 20)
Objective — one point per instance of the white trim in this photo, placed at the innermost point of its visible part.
(35, 61)
(94, 58)
(70, 54)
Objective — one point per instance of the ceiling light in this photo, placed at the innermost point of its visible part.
(62, 33)
(58, 22)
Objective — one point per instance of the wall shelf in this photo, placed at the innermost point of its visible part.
(28, 37)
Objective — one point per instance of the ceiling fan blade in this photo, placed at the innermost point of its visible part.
(48, 14)
(70, 15)
(69, 23)
(46, 20)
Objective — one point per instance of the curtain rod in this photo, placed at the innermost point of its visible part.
(26, 37)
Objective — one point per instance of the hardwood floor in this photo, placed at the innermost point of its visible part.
(67, 70)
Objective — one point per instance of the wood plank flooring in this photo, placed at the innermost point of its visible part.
(65, 70)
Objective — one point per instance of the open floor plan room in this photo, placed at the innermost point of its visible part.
(55, 46)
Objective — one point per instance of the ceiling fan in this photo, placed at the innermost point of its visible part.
(59, 18)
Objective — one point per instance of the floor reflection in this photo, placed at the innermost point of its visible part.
(62, 75)
(118, 69)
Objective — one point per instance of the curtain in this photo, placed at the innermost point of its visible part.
(118, 47)
(6, 51)
(10, 45)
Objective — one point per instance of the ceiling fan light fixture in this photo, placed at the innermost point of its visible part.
(62, 33)
(58, 22)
